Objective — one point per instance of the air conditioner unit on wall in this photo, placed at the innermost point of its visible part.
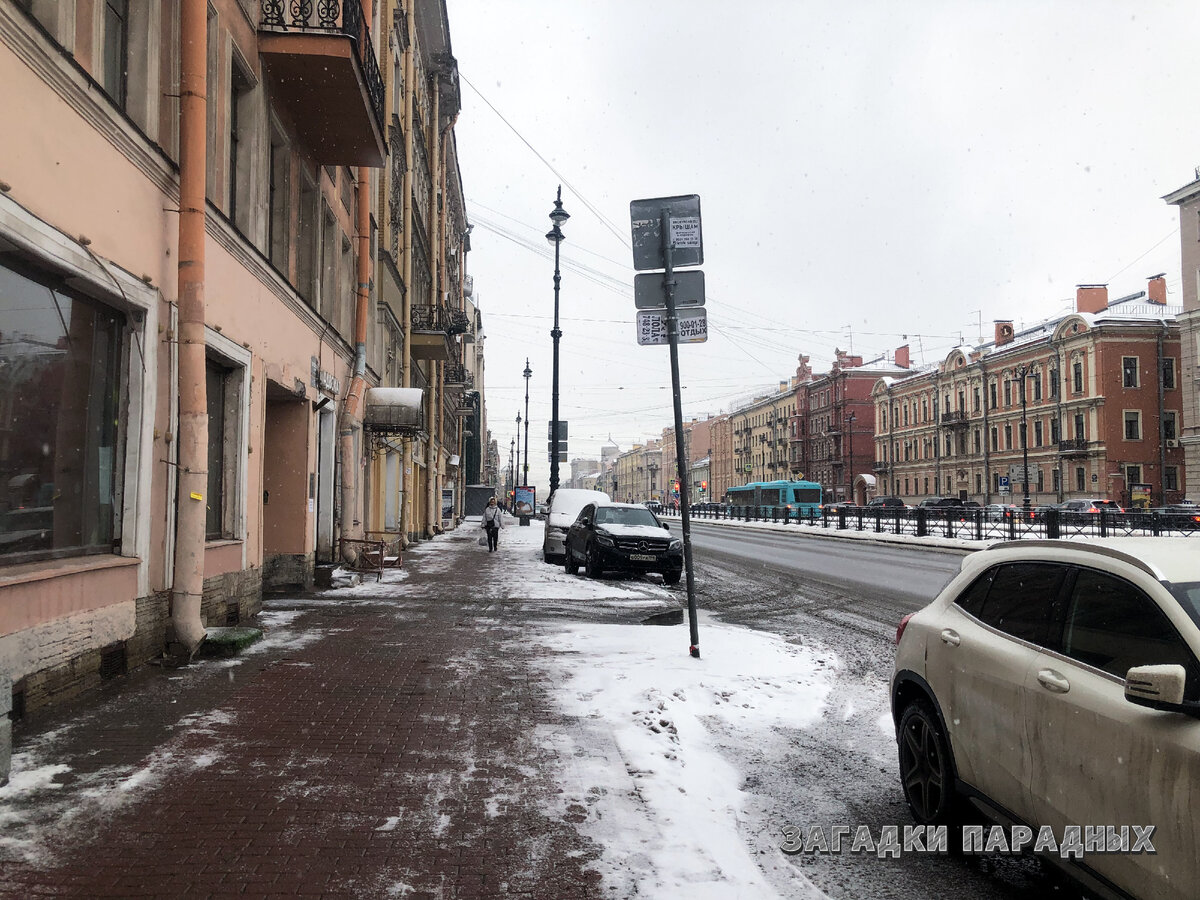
(1172, 443)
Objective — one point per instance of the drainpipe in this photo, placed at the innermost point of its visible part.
(443, 217)
(987, 447)
(351, 425)
(186, 630)
(432, 500)
(406, 511)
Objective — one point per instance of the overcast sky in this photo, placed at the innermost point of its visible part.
(870, 174)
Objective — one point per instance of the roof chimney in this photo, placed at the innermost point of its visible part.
(1091, 298)
(1004, 332)
(1156, 291)
(902, 359)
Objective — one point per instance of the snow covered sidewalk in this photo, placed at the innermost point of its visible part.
(477, 725)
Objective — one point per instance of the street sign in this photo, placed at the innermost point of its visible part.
(689, 290)
(562, 431)
(562, 454)
(1005, 484)
(686, 240)
(652, 326)
(1016, 475)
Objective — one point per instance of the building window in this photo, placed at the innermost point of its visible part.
(1041, 481)
(1171, 478)
(1080, 476)
(279, 208)
(977, 441)
(1007, 393)
(241, 148)
(1057, 480)
(975, 400)
(995, 482)
(1133, 425)
(992, 394)
(1168, 374)
(995, 440)
(1037, 386)
(1133, 475)
(116, 48)
(215, 384)
(1169, 427)
(1054, 384)
(1055, 431)
(1008, 441)
(978, 483)
(1077, 377)
(1129, 371)
(1037, 433)
(61, 439)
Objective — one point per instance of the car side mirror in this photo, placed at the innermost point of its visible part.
(585, 522)
(1159, 687)
(666, 527)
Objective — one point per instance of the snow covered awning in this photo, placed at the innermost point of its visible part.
(394, 410)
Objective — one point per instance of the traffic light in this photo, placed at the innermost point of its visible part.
(704, 487)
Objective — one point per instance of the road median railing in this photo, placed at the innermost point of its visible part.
(957, 522)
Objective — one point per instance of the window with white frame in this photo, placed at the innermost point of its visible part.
(1129, 371)
(1133, 425)
(228, 394)
(1170, 426)
(62, 364)
(1171, 478)
(1168, 374)
(1080, 478)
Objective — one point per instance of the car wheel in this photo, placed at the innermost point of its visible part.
(591, 565)
(671, 577)
(569, 563)
(926, 767)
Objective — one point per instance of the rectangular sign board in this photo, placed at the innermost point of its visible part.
(652, 326)
(649, 293)
(562, 455)
(1015, 474)
(686, 238)
(562, 431)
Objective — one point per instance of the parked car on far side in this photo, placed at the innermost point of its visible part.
(887, 503)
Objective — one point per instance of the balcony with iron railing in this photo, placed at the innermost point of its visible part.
(458, 376)
(1073, 447)
(954, 418)
(324, 72)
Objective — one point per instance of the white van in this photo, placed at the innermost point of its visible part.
(565, 504)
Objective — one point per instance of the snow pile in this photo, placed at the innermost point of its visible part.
(644, 764)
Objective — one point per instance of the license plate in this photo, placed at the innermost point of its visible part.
(643, 557)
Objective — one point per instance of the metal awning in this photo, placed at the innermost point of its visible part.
(394, 410)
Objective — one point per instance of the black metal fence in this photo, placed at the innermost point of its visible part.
(967, 524)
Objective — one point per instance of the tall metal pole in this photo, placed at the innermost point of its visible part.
(518, 473)
(680, 452)
(527, 373)
(558, 216)
(512, 469)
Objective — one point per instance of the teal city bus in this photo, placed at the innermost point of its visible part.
(800, 499)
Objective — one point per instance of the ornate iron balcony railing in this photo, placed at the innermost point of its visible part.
(340, 17)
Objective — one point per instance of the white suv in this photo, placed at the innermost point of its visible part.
(1056, 683)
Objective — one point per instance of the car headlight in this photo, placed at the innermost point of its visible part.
(605, 541)
(676, 544)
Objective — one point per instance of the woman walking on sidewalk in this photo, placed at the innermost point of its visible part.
(493, 521)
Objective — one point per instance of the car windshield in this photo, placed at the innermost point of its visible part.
(617, 515)
(1188, 595)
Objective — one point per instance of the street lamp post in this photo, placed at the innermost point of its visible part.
(1022, 372)
(512, 468)
(518, 472)
(528, 372)
(558, 216)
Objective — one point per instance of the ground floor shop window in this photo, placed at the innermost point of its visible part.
(61, 413)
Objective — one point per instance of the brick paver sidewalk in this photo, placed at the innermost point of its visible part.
(387, 750)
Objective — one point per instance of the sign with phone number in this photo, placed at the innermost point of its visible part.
(652, 326)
